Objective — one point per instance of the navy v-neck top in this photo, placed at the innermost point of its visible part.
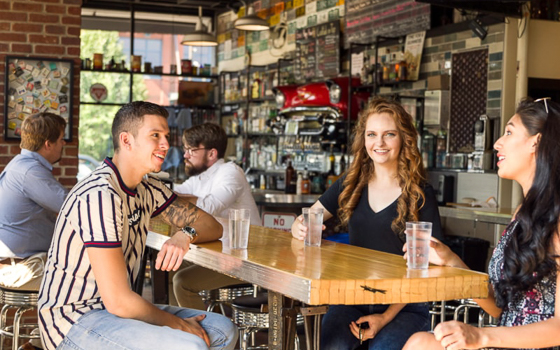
(369, 229)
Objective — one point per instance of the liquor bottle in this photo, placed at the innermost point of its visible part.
(305, 183)
(112, 63)
(299, 183)
(289, 180)
(385, 75)
(331, 176)
(441, 148)
(428, 148)
(342, 161)
(255, 89)
(393, 68)
(403, 69)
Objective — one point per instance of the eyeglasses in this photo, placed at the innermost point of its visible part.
(544, 99)
(191, 151)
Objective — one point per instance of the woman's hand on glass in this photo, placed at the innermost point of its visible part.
(299, 230)
(441, 254)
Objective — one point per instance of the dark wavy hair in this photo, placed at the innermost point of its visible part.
(528, 257)
(411, 174)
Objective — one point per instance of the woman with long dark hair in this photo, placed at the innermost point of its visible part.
(524, 266)
(384, 187)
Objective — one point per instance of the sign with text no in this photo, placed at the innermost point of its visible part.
(279, 221)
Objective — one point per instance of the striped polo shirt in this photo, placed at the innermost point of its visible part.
(100, 212)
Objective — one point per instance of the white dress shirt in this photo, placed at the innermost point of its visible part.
(221, 187)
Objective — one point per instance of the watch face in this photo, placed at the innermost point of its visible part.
(189, 231)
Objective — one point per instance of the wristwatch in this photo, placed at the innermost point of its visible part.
(190, 231)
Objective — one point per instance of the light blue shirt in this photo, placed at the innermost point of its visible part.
(30, 199)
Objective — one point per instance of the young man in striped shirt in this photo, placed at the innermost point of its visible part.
(86, 299)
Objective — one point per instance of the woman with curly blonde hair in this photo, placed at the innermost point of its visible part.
(384, 187)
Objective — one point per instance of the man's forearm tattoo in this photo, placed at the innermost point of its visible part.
(184, 214)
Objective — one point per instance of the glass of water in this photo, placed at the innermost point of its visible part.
(418, 235)
(239, 223)
(313, 220)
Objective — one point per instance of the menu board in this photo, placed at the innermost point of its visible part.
(367, 19)
(328, 54)
(318, 52)
(306, 54)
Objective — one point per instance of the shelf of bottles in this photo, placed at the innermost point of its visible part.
(382, 66)
(249, 85)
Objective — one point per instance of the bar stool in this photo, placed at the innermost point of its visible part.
(465, 305)
(250, 315)
(225, 295)
(441, 309)
(21, 301)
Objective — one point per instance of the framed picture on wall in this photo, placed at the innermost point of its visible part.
(36, 85)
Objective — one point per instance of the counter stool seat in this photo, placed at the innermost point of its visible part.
(250, 314)
(249, 311)
(21, 301)
(225, 295)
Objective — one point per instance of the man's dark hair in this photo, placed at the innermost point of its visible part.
(130, 117)
(210, 135)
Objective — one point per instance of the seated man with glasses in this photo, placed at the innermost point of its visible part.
(215, 186)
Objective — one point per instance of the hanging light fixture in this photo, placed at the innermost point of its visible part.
(250, 22)
(200, 36)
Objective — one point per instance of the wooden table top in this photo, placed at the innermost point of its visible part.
(334, 273)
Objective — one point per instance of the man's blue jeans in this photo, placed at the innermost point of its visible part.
(336, 335)
(101, 330)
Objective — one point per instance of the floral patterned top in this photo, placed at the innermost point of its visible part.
(532, 306)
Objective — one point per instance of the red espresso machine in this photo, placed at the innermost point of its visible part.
(318, 112)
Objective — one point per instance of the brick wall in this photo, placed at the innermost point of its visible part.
(42, 28)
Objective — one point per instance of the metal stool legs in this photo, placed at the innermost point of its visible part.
(466, 305)
(225, 295)
(251, 314)
(22, 301)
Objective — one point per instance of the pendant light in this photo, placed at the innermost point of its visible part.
(250, 22)
(200, 36)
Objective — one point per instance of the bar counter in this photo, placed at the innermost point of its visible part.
(278, 199)
(499, 216)
(270, 198)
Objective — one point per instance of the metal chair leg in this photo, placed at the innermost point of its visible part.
(3, 321)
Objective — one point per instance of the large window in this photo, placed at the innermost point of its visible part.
(200, 55)
(150, 49)
(157, 40)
